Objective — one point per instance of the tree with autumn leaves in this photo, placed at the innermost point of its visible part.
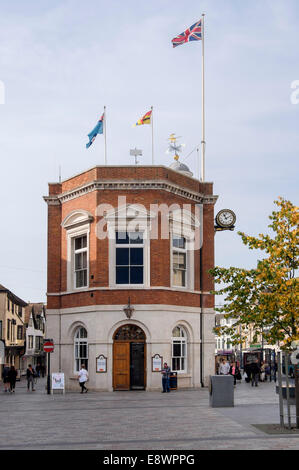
(267, 297)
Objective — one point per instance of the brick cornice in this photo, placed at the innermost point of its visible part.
(131, 185)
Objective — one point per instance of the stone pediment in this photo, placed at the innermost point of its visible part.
(129, 212)
(77, 217)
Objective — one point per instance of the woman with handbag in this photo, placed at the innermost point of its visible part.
(235, 372)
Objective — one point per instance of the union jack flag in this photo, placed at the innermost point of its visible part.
(191, 34)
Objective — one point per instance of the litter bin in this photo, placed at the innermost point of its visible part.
(173, 381)
(221, 391)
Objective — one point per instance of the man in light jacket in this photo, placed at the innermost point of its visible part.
(224, 368)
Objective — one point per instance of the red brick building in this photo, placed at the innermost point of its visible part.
(129, 249)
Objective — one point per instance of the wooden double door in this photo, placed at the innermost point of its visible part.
(129, 359)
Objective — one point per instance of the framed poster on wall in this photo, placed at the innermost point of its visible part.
(157, 362)
(101, 364)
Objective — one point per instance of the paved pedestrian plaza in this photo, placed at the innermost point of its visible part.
(180, 420)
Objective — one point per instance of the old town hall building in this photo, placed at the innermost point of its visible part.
(129, 249)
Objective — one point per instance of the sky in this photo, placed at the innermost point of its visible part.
(61, 62)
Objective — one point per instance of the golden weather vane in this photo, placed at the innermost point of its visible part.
(174, 147)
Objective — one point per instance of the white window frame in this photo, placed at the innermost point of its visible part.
(182, 224)
(119, 221)
(182, 340)
(38, 342)
(183, 251)
(128, 246)
(78, 252)
(72, 234)
(189, 280)
(30, 341)
(76, 223)
(77, 341)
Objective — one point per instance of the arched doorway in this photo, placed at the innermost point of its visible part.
(129, 358)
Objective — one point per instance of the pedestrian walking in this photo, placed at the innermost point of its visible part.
(83, 378)
(12, 377)
(165, 378)
(255, 373)
(263, 371)
(218, 366)
(267, 372)
(30, 375)
(224, 368)
(247, 370)
(271, 372)
(275, 368)
(5, 372)
(235, 372)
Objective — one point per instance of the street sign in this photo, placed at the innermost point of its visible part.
(48, 346)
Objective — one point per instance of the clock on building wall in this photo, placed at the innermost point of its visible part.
(225, 220)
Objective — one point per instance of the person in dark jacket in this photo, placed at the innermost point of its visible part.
(165, 378)
(12, 377)
(30, 374)
(255, 373)
(5, 377)
(247, 370)
(275, 368)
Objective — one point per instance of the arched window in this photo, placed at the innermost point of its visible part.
(179, 349)
(81, 349)
(129, 332)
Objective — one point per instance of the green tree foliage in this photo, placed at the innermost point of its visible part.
(265, 298)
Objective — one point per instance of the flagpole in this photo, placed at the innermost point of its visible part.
(152, 120)
(203, 142)
(105, 141)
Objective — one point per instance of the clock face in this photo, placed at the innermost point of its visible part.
(226, 218)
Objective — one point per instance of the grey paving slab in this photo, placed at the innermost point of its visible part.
(181, 420)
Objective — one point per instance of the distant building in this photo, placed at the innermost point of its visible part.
(12, 327)
(35, 320)
(124, 303)
(252, 342)
(223, 342)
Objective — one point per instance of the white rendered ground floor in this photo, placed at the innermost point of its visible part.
(123, 353)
